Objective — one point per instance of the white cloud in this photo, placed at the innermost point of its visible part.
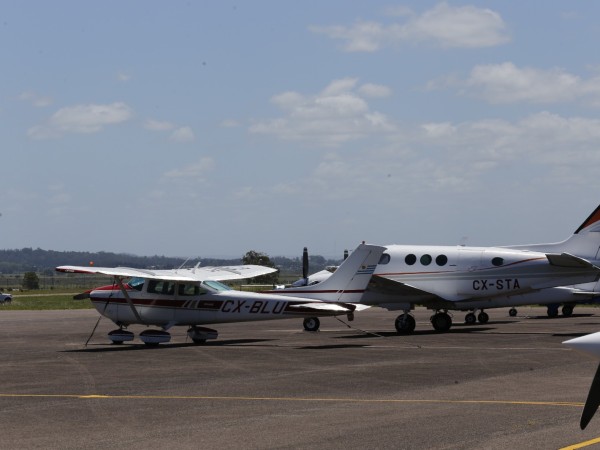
(35, 99)
(196, 170)
(178, 134)
(337, 114)
(443, 25)
(458, 158)
(81, 119)
(123, 76)
(183, 134)
(507, 83)
(157, 125)
(375, 90)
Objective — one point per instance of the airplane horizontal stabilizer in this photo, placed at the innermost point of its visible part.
(323, 306)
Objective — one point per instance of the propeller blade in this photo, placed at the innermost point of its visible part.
(592, 402)
(305, 263)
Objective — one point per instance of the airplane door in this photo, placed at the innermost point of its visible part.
(469, 262)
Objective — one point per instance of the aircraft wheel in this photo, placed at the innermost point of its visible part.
(512, 312)
(441, 322)
(117, 342)
(311, 324)
(552, 311)
(199, 341)
(483, 317)
(405, 324)
(567, 310)
(470, 319)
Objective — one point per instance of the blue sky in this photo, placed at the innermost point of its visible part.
(211, 128)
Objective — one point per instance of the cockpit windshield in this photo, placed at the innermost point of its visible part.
(136, 283)
(215, 286)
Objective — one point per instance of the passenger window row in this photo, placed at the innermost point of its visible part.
(440, 260)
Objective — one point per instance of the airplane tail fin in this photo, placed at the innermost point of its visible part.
(348, 282)
(584, 242)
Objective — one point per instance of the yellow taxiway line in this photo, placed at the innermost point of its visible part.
(582, 444)
(288, 399)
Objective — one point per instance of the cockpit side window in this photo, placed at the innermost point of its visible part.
(385, 259)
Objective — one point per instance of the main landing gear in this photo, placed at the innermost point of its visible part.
(482, 317)
(441, 321)
(567, 310)
(150, 337)
(311, 324)
(405, 323)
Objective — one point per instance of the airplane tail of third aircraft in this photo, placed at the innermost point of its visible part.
(348, 282)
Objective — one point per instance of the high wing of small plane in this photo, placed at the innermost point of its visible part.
(472, 279)
(215, 273)
(589, 344)
(194, 297)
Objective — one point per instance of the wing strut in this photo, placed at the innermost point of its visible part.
(131, 305)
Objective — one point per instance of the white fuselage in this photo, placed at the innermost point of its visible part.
(474, 277)
(199, 306)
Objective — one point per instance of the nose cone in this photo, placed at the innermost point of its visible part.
(589, 344)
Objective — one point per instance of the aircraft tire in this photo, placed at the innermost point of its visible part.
(441, 322)
(512, 312)
(470, 319)
(552, 311)
(483, 317)
(567, 310)
(311, 324)
(199, 341)
(405, 324)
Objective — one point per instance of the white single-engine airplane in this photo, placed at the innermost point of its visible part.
(472, 279)
(589, 344)
(193, 297)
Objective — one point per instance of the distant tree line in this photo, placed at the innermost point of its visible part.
(44, 261)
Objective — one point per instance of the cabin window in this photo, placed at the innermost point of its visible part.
(410, 259)
(385, 258)
(441, 260)
(187, 290)
(497, 261)
(162, 287)
(426, 260)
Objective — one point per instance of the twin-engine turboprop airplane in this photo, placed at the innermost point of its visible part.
(473, 279)
(193, 297)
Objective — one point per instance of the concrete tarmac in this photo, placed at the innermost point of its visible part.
(507, 384)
